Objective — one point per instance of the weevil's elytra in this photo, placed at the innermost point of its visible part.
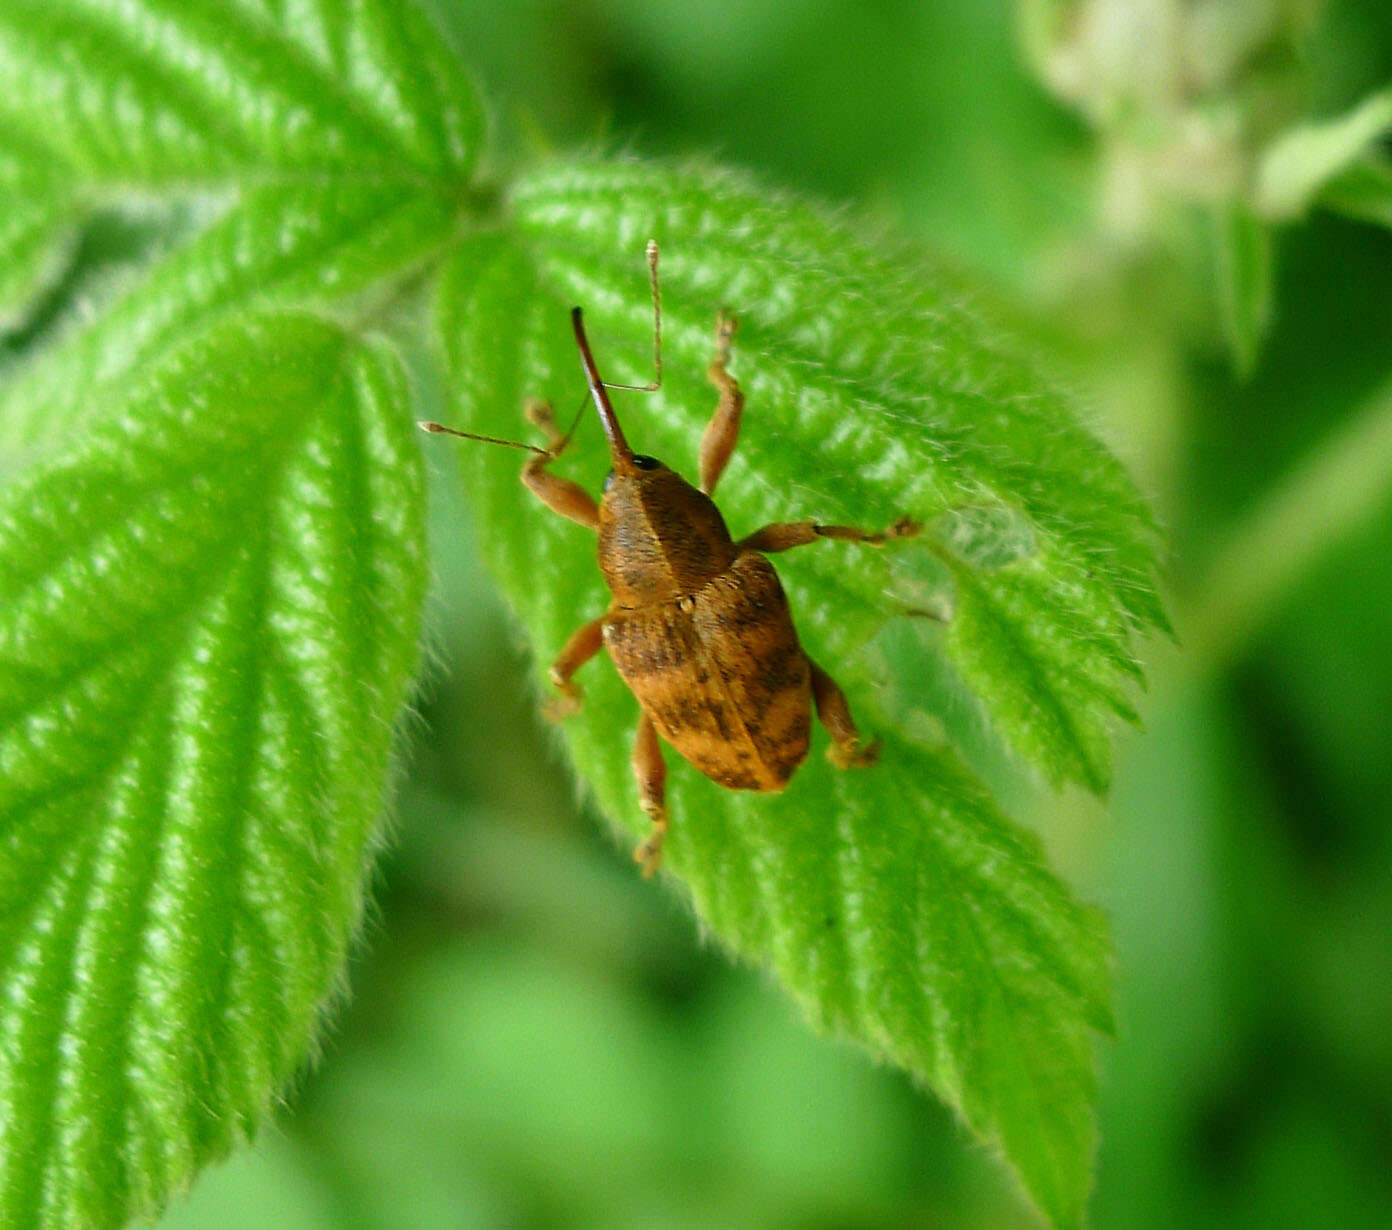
(699, 627)
(724, 681)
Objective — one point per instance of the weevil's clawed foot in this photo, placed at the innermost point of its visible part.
(648, 853)
(564, 702)
(540, 414)
(905, 527)
(854, 754)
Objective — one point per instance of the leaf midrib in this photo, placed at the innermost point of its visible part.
(180, 622)
(153, 686)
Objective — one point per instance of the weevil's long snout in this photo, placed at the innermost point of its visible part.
(619, 452)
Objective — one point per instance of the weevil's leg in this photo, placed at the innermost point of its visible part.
(848, 750)
(584, 643)
(651, 771)
(784, 534)
(541, 414)
(560, 495)
(722, 432)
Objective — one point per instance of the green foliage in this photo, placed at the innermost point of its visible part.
(1363, 191)
(329, 149)
(210, 565)
(211, 576)
(1302, 161)
(190, 789)
(280, 245)
(896, 903)
(37, 233)
(883, 392)
(156, 94)
(1242, 250)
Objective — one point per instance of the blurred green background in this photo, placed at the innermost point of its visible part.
(536, 1037)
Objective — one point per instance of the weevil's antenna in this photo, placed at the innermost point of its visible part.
(441, 429)
(657, 329)
(618, 446)
(570, 431)
(556, 449)
(619, 452)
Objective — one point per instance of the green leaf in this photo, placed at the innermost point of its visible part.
(1300, 162)
(155, 93)
(1243, 259)
(37, 236)
(896, 903)
(1363, 191)
(332, 246)
(212, 538)
(208, 617)
(345, 108)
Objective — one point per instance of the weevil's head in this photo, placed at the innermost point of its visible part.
(660, 538)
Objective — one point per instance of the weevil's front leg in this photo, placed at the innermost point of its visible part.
(784, 534)
(722, 432)
(651, 771)
(848, 750)
(584, 643)
(558, 494)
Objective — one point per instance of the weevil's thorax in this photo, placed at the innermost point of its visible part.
(660, 538)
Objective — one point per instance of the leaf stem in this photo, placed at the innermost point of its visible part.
(1332, 492)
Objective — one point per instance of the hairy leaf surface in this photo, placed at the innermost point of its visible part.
(303, 244)
(313, 123)
(37, 233)
(208, 617)
(896, 903)
(157, 92)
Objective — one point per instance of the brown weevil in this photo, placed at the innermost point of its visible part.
(699, 627)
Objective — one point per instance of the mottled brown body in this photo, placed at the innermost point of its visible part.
(722, 675)
(699, 627)
(701, 632)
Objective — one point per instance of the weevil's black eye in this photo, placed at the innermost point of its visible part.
(640, 460)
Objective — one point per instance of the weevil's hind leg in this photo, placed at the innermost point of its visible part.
(560, 495)
(782, 535)
(848, 750)
(722, 432)
(584, 643)
(651, 771)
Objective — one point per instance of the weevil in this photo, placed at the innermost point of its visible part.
(699, 627)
